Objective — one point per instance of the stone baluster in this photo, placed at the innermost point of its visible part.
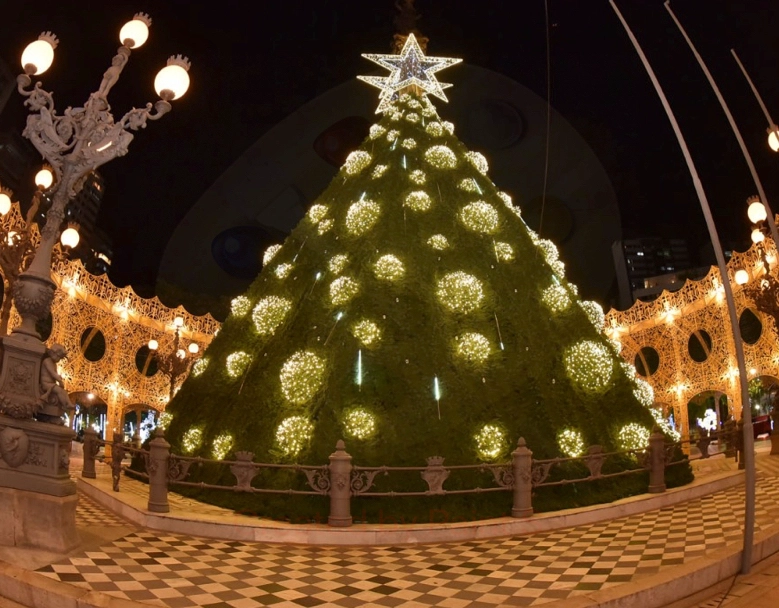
(159, 456)
(340, 487)
(656, 462)
(522, 468)
(90, 451)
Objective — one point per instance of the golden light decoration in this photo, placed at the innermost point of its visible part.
(282, 270)
(389, 268)
(293, 434)
(438, 241)
(571, 443)
(468, 185)
(342, 290)
(325, 226)
(633, 436)
(357, 161)
(302, 376)
(418, 200)
(506, 198)
(237, 363)
(594, 312)
(473, 347)
(192, 439)
(221, 446)
(337, 263)
(164, 419)
(269, 314)
(392, 135)
(376, 131)
(367, 332)
(316, 213)
(490, 442)
(480, 217)
(270, 253)
(643, 392)
(418, 177)
(504, 252)
(441, 157)
(556, 298)
(477, 160)
(240, 306)
(199, 366)
(589, 365)
(434, 128)
(448, 127)
(460, 292)
(378, 171)
(409, 143)
(359, 423)
(362, 216)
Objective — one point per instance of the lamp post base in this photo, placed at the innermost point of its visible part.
(38, 521)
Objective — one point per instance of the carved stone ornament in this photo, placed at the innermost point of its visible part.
(435, 475)
(178, 468)
(64, 459)
(32, 297)
(17, 409)
(318, 479)
(504, 476)
(362, 481)
(14, 445)
(594, 460)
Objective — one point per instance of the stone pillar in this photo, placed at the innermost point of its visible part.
(159, 456)
(522, 468)
(656, 462)
(340, 487)
(91, 448)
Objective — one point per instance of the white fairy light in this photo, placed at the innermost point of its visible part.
(477, 160)
(473, 347)
(199, 366)
(342, 290)
(418, 200)
(357, 161)
(438, 241)
(221, 446)
(441, 157)
(240, 306)
(412, 103)
(270, 253)
(302, 376)
(293, 434)
(316, 213)
(192, 439)
(418, 177)
(269, 313)
(378, 171)
(469, 185)
(643, 392)
(389, 268)
(376, 131)
(165, 419)
(571, 443)
(409, 143)
(325, 226)
(448, 127)
(367, 332)
(434, 128)
(589, 365)
(556, 298)
(460, 292)
(337, 263)
(392, 135)
(282, 270)
(362, 216)
(237, 363)
(359, 423)
(504, 252)
(412, 117)
(506, 200)
(480, 217)
(594, 313)
(633, 436)
(490, 442)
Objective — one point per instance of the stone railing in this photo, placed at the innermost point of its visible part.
(342, 481)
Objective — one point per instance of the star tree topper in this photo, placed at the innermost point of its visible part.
(412, 68)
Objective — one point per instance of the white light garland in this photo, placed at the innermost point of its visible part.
(357, 161)
(504, 251)
(378, 171)
(240, 306)
(594, 313)
(418, 177)
(409, 143)
(293, 434)
(376, 131)
(556, 298)
(359, 423)
(389, 268)
(473, 347)
(441, 157)
(418, 200)
(302, 376)
(282, 270)
(221, 446)
(480, 217)
(571, 443)
(325, 226)
(490, 442)
(589, 365)
(438, 241)
(342, 290)
(316, 213)
(337, 263)
(269, 314)
(434, 128)
(460, 292)
(477, 160)
(633, 436)
(192, 439)
(237, 363)
(270, 253)
(367, 332)
(362, 216)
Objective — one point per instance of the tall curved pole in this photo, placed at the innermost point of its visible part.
(746, 414)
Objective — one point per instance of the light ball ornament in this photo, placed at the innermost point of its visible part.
(316, 213)
(367, 332)
(490, 442)
(412, 117)
(441, 157)
(460, 292)
(418, 177)
(589, 365)
(643, 392)
(389, 268)
(506, 198)
(237, 363)
(292, 435)
(357, 161)
(434, 128)
(480, 217)
(199, 366)
(392, 135)
(473, 347)
(192, 439)
(478, 161)
(438, 241)
(359, 423)
(221, 445)
(448, 127)
(468, 185)
(325, 226)
(337, 263)
(362, 216)
(633, 436)
(504, 252)
(594, 312)
(571, 443)
(240, 306)
(269, 313)
(418, 200)
(282, 270)
(302, 376)
(378, 171)
(164, 420)
(409, 143)
(342, 290)
(270, 253)
(556, 298)
(376, 131)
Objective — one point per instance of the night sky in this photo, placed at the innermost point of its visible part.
(253, 67)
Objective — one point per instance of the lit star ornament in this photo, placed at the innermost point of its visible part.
(409, 69)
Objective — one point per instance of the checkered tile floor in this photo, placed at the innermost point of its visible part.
(178, 571)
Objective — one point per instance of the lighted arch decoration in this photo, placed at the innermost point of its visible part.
(666, 324)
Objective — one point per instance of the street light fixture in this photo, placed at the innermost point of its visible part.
(175, 362)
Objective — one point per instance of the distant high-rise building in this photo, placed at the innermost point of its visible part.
(94, 247)
(7, 83)
(18, 163)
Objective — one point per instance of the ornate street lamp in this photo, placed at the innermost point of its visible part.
(177, 362)
(74, 143)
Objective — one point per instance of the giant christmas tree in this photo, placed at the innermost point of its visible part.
(411, 313)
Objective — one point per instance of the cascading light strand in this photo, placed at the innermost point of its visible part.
(359, 369)
(337, 318)
(497, 325)
(437, 395)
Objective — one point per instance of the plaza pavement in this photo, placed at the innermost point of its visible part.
(646, 559)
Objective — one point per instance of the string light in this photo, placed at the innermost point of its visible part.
(240, 306)
(317, 213)
(270, 253)
(302, 375)
(389, 268)
(342, 290)
(192, 439)
(473, 347)
(477, 160)
(367, 332)
(504, 252)
(434, 128)
(571, 443)
(362, 216)
(359, 423)
(376, 131)
(237, 363)
(490, 442)
(441, 157)
(480, 217)
(282, 270)
(418, 200)
(293, 434)
(594, 313)
(412, 117)
(633, 436)
(556, 298)
(221, 445)
(438, 241)
(589, 365)
(337, 263)
(460, 292)
(418, 177)
(269, 314)
(165, 419)
(378, 171)
(325, 226)
(357, 161)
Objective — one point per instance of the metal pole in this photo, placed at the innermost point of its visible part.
(754, 89)
(746, 414)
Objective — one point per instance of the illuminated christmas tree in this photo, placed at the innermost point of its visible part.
(411, 313)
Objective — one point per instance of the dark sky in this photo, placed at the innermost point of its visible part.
(251, 67)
